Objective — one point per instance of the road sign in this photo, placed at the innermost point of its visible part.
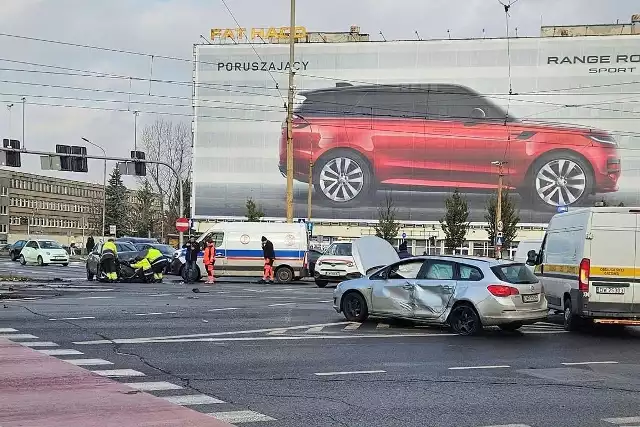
(112, 230)
(404, 235)
(182, 224)
(310, 227)
(499, 240)
(500, 225)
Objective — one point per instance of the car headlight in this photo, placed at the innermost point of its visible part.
(319, 263)
(350, 264)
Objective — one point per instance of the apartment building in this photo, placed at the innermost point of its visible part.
(46, 207)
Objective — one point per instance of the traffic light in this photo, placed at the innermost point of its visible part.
(140, 167)
(11, 158)
(69, 163)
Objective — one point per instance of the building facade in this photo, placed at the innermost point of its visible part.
(38, 206)
(616, 29)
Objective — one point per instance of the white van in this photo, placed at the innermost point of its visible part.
(589, 265)
(523, 249)
(239, 249)
(336, 264)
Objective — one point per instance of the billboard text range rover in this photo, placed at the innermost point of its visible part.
(440, 135)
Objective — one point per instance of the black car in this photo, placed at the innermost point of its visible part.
(166, 250)
(310, 262)
(126, 252)
(16, 248)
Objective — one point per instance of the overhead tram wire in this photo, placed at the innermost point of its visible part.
(254, 49)
(174, 58)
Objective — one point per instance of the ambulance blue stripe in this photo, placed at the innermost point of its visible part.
(252, 253)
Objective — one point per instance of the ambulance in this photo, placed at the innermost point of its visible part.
(239, 249)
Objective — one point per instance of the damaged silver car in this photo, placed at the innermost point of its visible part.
(466, 293)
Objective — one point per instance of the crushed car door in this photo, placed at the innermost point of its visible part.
(392, 294)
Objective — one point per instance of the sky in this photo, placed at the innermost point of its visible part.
(103, 111)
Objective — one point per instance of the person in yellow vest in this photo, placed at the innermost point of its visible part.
(149, 260)
(109, 259)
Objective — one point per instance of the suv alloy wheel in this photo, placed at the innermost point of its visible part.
(343, 176)
(561, 180)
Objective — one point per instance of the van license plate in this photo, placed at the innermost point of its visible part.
(530, 298)
(609, 290)
(333, 273)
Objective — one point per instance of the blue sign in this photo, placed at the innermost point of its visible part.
(404, 235)
(499, 240)
(309, 227)
(562, 209)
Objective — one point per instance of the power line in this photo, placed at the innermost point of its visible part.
(254, 49)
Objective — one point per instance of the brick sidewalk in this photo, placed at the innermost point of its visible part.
(40, 390)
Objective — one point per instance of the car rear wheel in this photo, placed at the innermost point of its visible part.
(13, 257)
(343, 177)
(354, 307)
(321, 283)
(464, 320)
(284, 274)
(571, 322)
(89, 275)
(22, 260)
(561, 180)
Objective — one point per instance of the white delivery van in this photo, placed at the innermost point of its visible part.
(523, 249)
(336, 264)
(589, 265)
(239, 249)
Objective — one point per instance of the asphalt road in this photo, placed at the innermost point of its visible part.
(74, 271)
(278, 355)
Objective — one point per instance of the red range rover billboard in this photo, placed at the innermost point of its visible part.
(416, 120)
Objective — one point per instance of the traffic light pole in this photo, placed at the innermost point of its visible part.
(117, 159)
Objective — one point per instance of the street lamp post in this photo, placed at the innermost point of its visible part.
(104, 185)
(498, 225)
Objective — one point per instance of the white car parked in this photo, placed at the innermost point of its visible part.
(43, 252)
(335, 265)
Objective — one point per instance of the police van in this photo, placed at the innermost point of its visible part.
(589, 265)
(239, 249)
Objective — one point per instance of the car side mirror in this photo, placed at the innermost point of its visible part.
(532, 258)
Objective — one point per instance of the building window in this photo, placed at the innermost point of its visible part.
(3, 191)
(3, 210)
(3, 228)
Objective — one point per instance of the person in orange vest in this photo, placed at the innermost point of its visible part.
(269, 257)
(209, 261)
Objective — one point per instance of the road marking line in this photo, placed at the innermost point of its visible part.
(193, 399)
(88, 362)
(160, 295)
(224, 309)
(327, 374)
(240, 416)
(74, 318)
(154, 386)
(7, 330)
(60, 352)
(510, 425)
(276, 338)
(212, 334)
(606, 362)
(382, 326)
(119, 373)
(18, 336)
(314, 330)
(352, 326)
(622, 420)
(154, 314)
(87, 298)
(460, 368)
(278, 332)
(39, 344)
(282, 304)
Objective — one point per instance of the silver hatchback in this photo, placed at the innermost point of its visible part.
(465, 293)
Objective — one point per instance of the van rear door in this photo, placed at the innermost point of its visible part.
(613, 262)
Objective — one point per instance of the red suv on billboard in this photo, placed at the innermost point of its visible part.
(440, 135)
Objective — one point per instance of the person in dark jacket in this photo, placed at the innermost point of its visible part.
(269, 257)
(190, 257)
(403, 252)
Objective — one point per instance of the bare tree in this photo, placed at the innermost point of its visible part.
(168, 142)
